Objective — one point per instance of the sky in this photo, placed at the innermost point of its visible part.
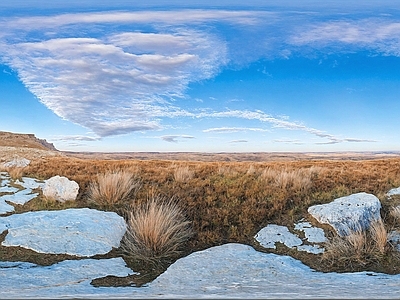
(202, 76)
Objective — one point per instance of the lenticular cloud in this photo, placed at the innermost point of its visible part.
(113, 80)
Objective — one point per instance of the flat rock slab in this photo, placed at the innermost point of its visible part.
(227, 271)
(67, 279)
(348, 213)
(80, 232)
(238, 271)
(5, 208)
(30, 183)
(313, 234)
(271, 234)
(20, 197)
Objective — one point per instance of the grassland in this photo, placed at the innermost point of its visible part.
(230, 201)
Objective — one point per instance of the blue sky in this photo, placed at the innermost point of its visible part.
(211, 76)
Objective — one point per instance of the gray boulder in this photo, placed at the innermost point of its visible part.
(17, 162)
(354, 212)
(60, 188)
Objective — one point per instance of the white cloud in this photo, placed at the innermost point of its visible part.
(175, 138)
(109, 86)
(118, 72)
(276, 123)
(371, 33)
(289, 141)
(234, 129)
(170, 17)
(76, 138)
(238, 141)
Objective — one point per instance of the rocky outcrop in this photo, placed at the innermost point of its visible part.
(19, 162)
(60, 188)
(10, 139)
(354, 212)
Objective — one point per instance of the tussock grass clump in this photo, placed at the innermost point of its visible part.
(297, 179)
(183, 174)
(15, 172)
(113, 187)
(360, 247)
(395, 213)
(156, 231)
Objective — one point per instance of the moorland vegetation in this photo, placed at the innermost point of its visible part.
(174, 208)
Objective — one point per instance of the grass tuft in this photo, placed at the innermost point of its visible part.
(113, 188)
(183, 174)
(156, 232)
(360, 247)
(15, 172)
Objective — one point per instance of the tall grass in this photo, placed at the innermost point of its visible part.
(113, 187)
(297, 179)
(15, 172)
(183, 174)
(359, 247)
(395, 213)
(156, 231)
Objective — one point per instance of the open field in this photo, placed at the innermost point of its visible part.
(231, 201)
(247, 156)
(225, 197)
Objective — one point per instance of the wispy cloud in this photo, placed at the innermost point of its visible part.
(238, 141)
(234, 129)
(75, 138)
(276, 123)
(289, 141)
(175, 138)
(372, 33)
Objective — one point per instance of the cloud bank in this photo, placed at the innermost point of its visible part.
(120, 72)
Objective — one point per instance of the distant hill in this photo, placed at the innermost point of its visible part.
(10, 139)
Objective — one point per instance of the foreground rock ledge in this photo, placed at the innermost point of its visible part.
(227, 271)
(80, 232)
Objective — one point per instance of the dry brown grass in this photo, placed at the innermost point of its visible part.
(113, 187)
(296, 179)
(15, 172)
(232, 201)
(183, 174)
(156, 231)
(395, 213)
(359, 247)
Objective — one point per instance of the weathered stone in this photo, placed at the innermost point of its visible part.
(60, 188)
(313, 234)
(17, 162)
(354, 212)
(392, 192)
(80, 232)
(271, 234)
